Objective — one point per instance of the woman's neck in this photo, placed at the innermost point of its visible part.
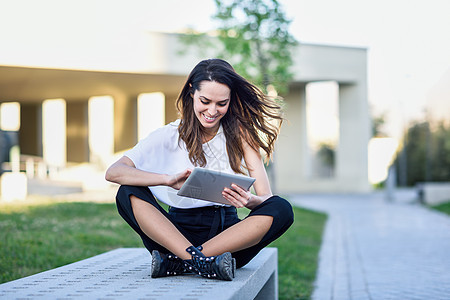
(209, 134)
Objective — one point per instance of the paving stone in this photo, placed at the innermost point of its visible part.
(374, 249)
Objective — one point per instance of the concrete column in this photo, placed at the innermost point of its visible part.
(305, 149)
(77, 131)
(125, 122)
(292, 157)
(30, 134)
(171, 113)
(354, 135)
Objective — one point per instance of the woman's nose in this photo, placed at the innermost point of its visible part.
(212, 110)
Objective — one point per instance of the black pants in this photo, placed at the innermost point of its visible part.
(199, 225)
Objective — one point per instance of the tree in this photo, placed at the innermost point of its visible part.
(377, 125)
(326, 156)
(440, 149)
(426, 153)
(255, 39)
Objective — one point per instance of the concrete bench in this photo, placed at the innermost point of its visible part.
(125, 274)
(433, 193)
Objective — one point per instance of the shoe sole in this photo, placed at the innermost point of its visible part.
(227, 266)
(234, 267)
(156, 259)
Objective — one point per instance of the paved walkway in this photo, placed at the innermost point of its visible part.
(376, 249)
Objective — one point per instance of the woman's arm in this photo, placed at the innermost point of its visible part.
(124, 172)
(240, 197)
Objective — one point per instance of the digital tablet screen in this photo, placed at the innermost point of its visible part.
(208, 185)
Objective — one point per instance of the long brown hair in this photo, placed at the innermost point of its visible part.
(252, 116)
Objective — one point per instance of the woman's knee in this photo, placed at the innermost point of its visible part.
(123, 200)
(122, 195)
(283, 211)
(288, 210)
(125, 192)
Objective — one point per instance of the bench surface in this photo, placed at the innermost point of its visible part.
(124, 273)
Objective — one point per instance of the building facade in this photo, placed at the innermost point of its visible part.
(89, 112)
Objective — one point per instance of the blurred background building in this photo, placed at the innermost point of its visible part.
(78, 86)
(70, 124)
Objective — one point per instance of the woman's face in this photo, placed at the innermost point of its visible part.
(211, 102)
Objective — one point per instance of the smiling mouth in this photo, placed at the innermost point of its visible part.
(209, 119)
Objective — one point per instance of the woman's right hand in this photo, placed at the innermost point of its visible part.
(177, 180)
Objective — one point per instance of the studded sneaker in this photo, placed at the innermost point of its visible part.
(215, 267)
(166, 265)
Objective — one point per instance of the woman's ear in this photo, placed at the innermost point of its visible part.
(191, 91)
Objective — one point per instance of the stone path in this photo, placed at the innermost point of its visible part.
(376, 249)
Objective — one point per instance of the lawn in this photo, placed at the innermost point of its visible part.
(42, 236)
(443, 207)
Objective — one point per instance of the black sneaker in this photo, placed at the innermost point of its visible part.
(166, 265)
(215, 267)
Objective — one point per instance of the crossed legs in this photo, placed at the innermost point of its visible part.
(157, 227)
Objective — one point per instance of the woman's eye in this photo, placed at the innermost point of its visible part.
(204, 102)
(222, 104)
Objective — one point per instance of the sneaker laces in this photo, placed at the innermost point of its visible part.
(175, 265)
(205, 265)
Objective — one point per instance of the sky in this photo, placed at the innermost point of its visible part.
(408, 41)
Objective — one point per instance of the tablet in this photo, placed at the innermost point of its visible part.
(208, 185)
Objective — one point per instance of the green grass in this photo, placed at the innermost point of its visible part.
(35, 238)
(443, 207)
(38, 237)
(298, 252)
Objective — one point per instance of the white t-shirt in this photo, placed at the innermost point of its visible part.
(160, 152)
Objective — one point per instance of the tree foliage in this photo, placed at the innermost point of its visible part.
(325, 165)
(326, 154)
(378, 123)
(254, 37)
(425, 155)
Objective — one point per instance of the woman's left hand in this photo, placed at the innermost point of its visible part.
(239, 197)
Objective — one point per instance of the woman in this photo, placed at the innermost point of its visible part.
(224, 122)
